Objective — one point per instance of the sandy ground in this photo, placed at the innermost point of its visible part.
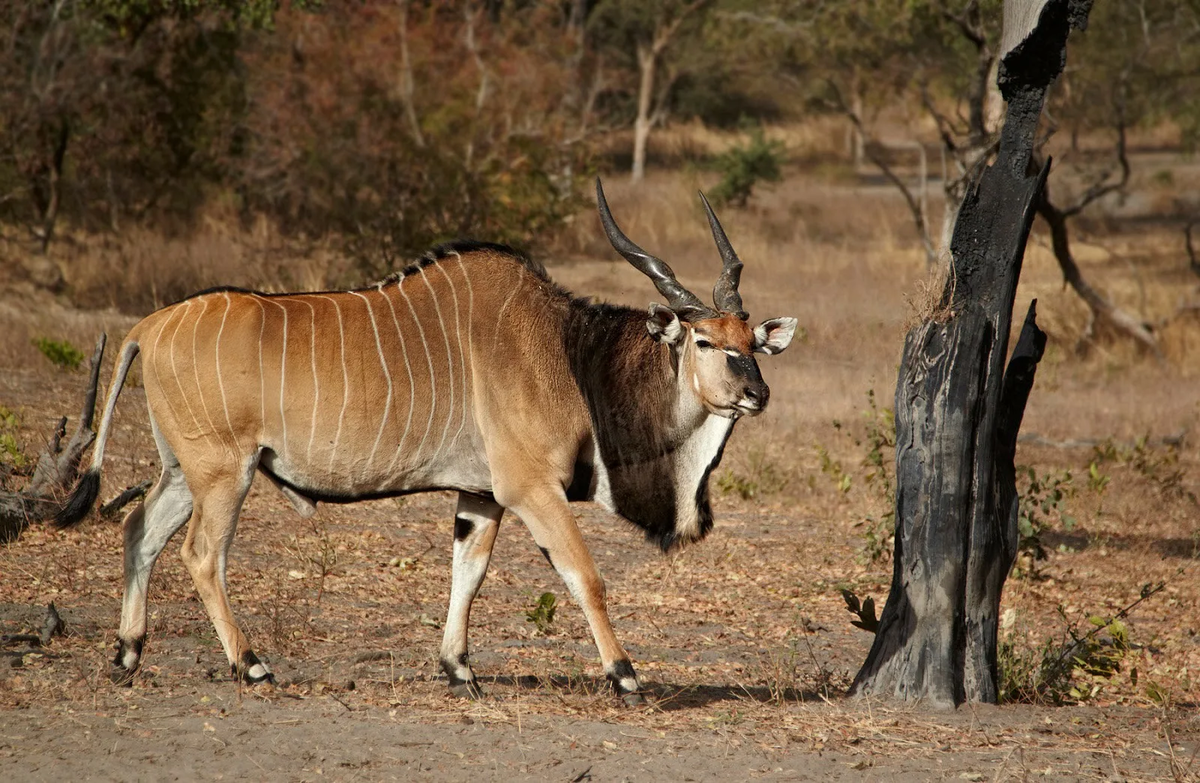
(744, 640)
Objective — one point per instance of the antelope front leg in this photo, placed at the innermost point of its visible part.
(555, 532)
(476, 522)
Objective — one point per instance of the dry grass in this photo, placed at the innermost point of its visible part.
(745, 637)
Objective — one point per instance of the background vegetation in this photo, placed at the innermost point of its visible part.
(369, 130)
(152, 148)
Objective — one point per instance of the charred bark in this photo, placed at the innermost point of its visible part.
(958, 410)
(57, 467)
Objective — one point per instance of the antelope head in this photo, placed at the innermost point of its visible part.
(713, 347)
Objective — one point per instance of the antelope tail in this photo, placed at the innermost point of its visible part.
(84, 496)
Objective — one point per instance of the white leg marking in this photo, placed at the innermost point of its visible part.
(212, 428)
(387, 406)
(449, 364)
(220, 382)
(429, 361)
(412, 391)
(175, 369)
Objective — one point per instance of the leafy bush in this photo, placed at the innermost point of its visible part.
(1074, 667)
(60, 352)
(744, 166)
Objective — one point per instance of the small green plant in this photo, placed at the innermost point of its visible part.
(762, 478)
(880, 442)
(832, 468)
(60, 352)
(542, 613)
(11, 453)
(1042, 502)
(1097, 481)
(1159, 465)
(1075, 667)
(745, 165)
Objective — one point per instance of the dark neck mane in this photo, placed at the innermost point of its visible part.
(628, 381)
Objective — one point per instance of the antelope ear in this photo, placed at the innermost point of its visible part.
(771, 337)
(664, 325)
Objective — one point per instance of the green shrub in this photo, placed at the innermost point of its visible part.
(1074, 667)
(744, 166)
(60, 352)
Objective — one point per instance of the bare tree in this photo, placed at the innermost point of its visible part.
(959, 409)
(651, 30)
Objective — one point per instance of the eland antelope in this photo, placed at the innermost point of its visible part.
(468, 371)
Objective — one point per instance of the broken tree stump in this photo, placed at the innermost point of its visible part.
(57, 467)
(958, 411)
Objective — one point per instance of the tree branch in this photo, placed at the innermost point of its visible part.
(872, 153)
(1100, 307)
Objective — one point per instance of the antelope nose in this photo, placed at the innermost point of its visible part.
(757, 395)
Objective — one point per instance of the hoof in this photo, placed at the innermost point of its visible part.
(268, 678)
(251, 670)
(635, 699)
(121, 676)
(467, 690)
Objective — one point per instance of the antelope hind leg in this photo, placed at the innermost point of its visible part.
(210, 532)
(148, 528)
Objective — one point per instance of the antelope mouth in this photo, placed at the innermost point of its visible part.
(747, 407)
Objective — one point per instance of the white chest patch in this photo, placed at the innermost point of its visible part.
(693, 460)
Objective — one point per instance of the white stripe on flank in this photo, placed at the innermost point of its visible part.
(152, 359)
(283, 375)
(220, 382)
(429, 360)
(345, 382)
(449, 363)
(212, 428)
(412, 391)
(462, 360)
(175, 370)
(312, 347)
(500, 315)
(262, 376)
(470, 324)
(387, 406)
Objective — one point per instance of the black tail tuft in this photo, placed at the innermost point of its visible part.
(81, 500)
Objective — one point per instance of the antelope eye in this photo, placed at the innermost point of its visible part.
(703, 344)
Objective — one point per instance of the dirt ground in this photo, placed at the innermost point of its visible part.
(743, 639)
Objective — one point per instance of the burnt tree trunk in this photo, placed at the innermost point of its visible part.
(958, 410)
(57, 467)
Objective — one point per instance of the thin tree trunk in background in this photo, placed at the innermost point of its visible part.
(855, 139)
(647, 65)
(958, 410)
(406, 79)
